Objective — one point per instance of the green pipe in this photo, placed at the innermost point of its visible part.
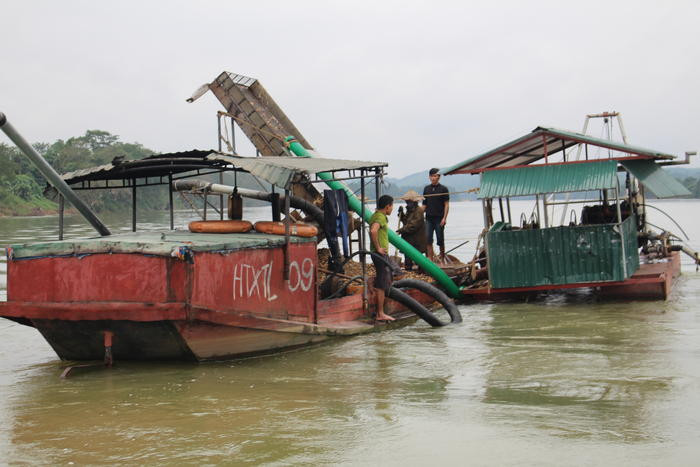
(406, 248)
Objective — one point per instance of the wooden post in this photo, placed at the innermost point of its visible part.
(61, 211)
(133, 205)
(286, 234)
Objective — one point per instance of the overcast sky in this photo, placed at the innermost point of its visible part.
(416, 84)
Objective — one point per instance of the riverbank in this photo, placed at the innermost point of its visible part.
(13, 206)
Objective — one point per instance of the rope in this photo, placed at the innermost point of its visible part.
(472, 190)
(190, 203)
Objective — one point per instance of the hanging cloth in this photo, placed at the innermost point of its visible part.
(336, 220)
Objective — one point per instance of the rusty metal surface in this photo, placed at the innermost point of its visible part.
(247, 99)
(541, 143)
(261, 119)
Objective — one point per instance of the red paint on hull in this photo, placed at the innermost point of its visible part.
(221, 305)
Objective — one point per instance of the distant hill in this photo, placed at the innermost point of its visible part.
(681, 173)
(455, 183)
(689, 176)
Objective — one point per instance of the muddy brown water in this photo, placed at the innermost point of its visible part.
(563, 380)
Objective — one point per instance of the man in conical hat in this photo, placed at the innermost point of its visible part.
(413, 229)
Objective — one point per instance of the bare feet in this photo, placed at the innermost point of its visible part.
(384, 317)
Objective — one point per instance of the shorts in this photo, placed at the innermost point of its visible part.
(432, 224)
(384, 279)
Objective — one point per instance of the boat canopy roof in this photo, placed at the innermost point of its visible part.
(655, 179)
(541, 143)
(279, 171)
(543, 179)
(576, 176)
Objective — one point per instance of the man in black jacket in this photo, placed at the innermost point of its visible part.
(437, 206)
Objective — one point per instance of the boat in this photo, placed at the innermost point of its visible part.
(198, 295)
(610, 248)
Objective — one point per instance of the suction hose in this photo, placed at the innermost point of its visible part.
(395, 293)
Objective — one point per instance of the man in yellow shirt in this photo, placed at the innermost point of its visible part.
(379, 245)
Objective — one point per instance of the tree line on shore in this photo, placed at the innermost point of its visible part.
(22, 185)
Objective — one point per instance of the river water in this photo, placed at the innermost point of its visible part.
(563, 380)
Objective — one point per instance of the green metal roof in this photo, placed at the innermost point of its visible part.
(542, 140)
(655, 179)
(541, 179)
(151, 243)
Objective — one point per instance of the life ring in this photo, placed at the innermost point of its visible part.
(220, 226)
(277, 228)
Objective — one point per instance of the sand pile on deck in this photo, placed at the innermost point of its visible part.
(354, 268)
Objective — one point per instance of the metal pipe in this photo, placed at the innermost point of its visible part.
(510, 221)
(61, 211)
(622, 230)
(286, 234)
(133, 205)
(221, 197)
(295, 201)
(363, 257)
(682, 161)
(545, 208)
(170, 200)
(53, 178)
(377, 184)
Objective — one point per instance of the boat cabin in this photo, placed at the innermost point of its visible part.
(553, 244)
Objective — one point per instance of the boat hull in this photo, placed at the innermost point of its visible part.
(652, 281)
(161, 332)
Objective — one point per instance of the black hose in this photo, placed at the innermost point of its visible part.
(440, 296)
(342, 288)
(413, 305)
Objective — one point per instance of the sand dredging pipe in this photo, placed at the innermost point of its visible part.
(294, 201)
(406, 248)
(53, 178)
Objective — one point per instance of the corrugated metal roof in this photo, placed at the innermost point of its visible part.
(541, 179)
(532, 147)
(283, 171)
(655, 179)
(280, 171)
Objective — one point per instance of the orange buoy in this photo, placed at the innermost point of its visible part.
(277, 228)
(220, 226)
